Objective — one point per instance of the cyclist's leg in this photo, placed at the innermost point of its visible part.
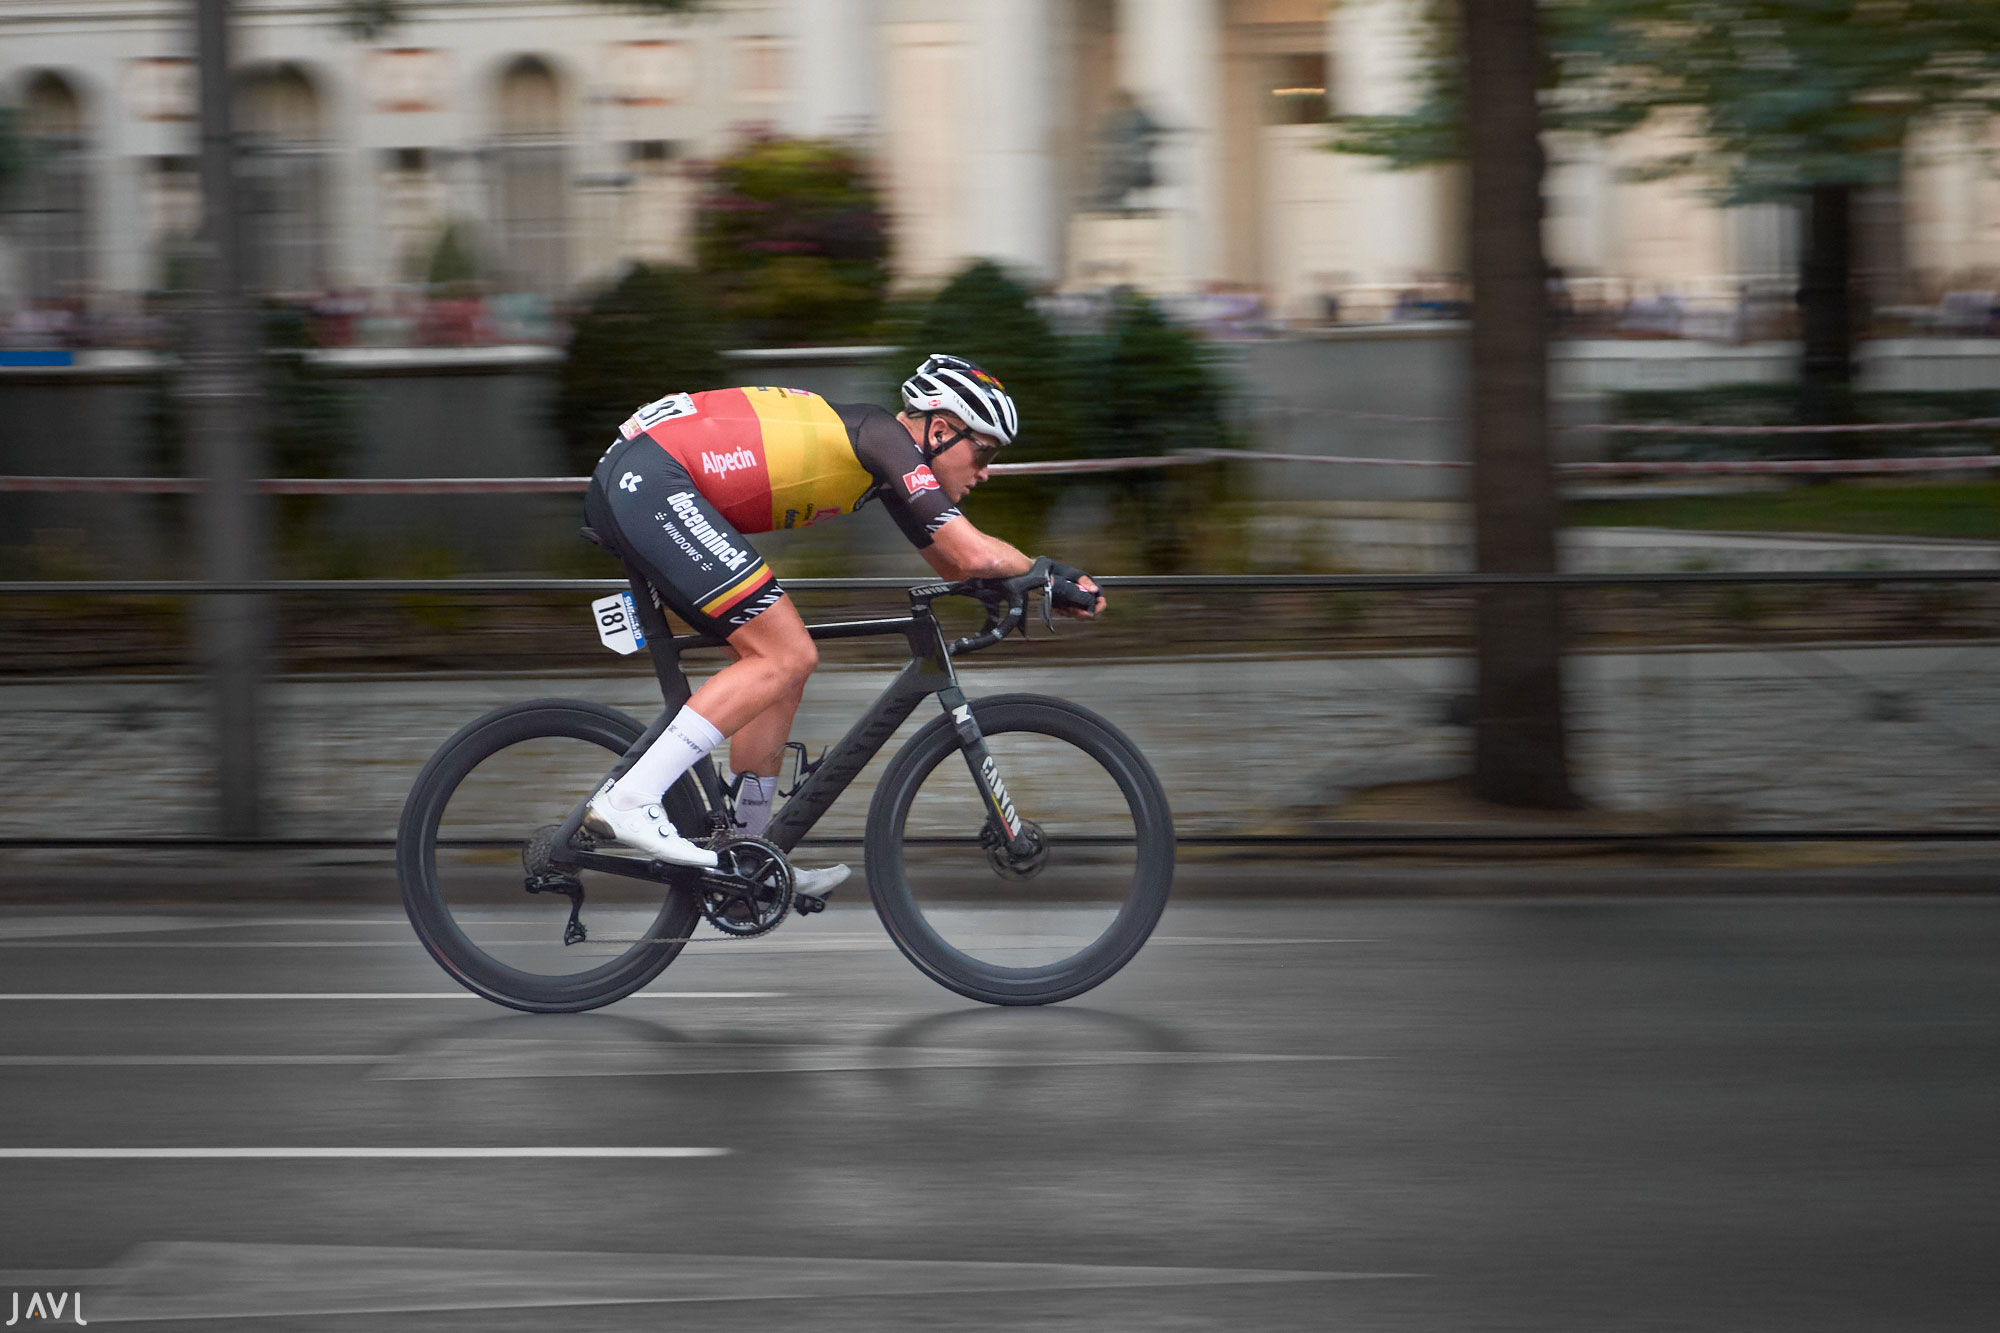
(774, 652)
(645, 504)
(759, 692)
(758, 746)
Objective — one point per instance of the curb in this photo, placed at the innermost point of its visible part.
(278, 879)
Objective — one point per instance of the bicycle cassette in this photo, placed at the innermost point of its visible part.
(750, 891)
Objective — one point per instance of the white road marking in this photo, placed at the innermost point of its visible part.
(184, 1280)
(1250, 939)
(15, 928)
(552, 1058)
(538, 1058)
(211, 943)
(343, 1154)
(168, 996)
(412, 944)
(142, 1061)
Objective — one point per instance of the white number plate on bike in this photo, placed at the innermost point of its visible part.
(617, 618)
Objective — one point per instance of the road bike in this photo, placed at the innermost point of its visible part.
(1018, 849)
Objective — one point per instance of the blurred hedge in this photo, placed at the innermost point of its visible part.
(1142, 385)
(1779, 405)
(794, 243)
(648, 334)
(308, 427)
(987, 315)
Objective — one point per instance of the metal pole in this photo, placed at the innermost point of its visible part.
(222, 399)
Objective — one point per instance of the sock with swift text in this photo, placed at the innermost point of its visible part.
(753, 804)
(680, 747)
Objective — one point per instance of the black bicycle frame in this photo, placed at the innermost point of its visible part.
(929, 672)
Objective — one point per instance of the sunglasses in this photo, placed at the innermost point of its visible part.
(982, 448)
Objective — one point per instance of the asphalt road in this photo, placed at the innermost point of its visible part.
(1536, 1115)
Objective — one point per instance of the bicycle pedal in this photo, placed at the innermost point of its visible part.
(805, 904)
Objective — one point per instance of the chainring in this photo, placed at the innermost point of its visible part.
(750, 891)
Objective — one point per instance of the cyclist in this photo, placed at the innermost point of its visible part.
(691, 473)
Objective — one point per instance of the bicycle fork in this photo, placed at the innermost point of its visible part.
(1015, 845)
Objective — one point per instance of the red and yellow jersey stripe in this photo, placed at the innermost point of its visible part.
(767, 458)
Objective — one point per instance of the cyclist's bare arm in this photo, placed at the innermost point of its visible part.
(958, 550)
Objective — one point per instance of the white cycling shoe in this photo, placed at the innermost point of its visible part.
(646, 829)
(820, 882)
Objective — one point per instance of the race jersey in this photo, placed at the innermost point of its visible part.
(771, 459)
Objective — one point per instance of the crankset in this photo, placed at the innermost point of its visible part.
(750, 890)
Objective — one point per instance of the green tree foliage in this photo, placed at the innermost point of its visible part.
(987, 315)
(647, 335)
(1799, 100)
(1786, 94)
(793, 241)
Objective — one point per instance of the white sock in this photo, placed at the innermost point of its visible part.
(680, 747)
(753, 804)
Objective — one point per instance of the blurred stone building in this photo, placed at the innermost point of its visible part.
(565, 138)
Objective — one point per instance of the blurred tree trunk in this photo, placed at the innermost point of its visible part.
(1826, 306)
(1519, 755)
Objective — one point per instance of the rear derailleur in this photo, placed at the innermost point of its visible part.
(543, 877)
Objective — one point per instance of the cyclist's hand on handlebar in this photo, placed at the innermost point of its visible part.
(1074, 593)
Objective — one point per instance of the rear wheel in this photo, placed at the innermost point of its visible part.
(1029, 929)
(484, 797)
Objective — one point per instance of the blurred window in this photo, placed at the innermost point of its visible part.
(1295, 88)
(286, 180)
(162, 89)
(652, 73)
(172, 189)
(408, 79)
(652, 152)
(530, 179)
(411, 212)
(656, 212)
(51, 209)
(763, 69)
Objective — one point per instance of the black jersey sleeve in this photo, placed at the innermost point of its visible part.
(903, 481)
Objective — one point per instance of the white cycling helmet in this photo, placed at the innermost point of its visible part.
(953, 384)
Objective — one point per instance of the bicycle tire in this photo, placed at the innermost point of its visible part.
(914, 925)
(431, 912)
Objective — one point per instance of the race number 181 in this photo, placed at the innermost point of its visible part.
(617, 618)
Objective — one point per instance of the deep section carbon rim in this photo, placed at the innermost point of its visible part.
(1011, 931)
(477, 803)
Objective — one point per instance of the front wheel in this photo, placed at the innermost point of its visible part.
(487, 794)
(1029, 929)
